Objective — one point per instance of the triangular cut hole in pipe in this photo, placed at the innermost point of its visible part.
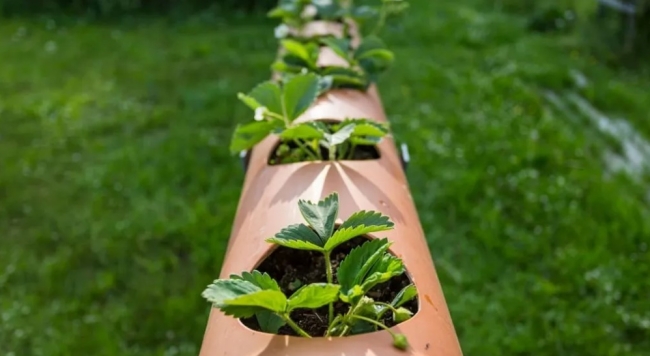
(293, 269)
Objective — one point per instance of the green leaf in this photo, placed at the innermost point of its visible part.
(314, 296)
(299, 93)
(370, 219)
(285, 8)
(359, 223)
(369, 43)
(340, 46)
(267, 94)
(379, 55)
(304, 131)
(247, 305)
(295, 63)
(401, 315)
(345, 81)
(383, 270)
(369, 309)
(249, 101)
(248, 135)
(321, 216)
(225, 289)
(269, 322)
(353, 269)
(367, 141)
(299, 50)
(406, 294)
(351, 294)
(299, 237)
(374, 66)
(366, 127)
(340, 136)
(341, 70)
(331, 10)
(262, 280)
(373, 57)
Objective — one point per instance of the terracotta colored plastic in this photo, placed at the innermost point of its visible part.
(269, 203)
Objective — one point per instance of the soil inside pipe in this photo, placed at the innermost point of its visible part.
(291, 152)
(295, 268)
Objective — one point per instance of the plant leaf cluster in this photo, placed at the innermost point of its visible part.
(366, 266)
(363, 66)
(278, 105)
(297, 13)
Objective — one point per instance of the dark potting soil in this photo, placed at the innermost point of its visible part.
(294, 154)
(287, 266)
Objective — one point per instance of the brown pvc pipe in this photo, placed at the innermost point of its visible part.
(269, 203)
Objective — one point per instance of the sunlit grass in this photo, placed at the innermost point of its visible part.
(117, 191)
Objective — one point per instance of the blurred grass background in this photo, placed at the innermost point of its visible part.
(117, 191)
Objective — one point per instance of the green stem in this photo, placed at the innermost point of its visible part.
(330, 280)
(276, 116)
(295, 327)
(351, 153)
(373, 322)
(343, 152)
(332, 153)
(305, 149)
(318, 151)
(345, 330)
(380, 315)
(336, 322)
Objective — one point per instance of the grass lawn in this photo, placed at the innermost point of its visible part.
(117, 190)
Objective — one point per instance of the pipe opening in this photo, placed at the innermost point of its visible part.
(295, 268)
(356, 148)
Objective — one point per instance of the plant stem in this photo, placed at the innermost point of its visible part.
(305, 149)
(330, 280)
(351, 154)
(381, 325)
(343, 152)
(318, 151)
(295, 327)
(336, 322)
(276, 116)
(388, 306)
(332, 153)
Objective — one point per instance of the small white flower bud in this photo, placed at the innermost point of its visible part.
(259, 113)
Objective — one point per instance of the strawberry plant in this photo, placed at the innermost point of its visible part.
(278, 105)
(343, 296)
(296, 13)
(364, 64)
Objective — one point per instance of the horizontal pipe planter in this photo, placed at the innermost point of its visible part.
(269, 203)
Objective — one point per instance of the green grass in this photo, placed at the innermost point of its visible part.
(117, 191)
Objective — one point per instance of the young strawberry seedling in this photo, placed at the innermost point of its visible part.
(353, 298)
(364, 64)
(297, 13)
(276, 108)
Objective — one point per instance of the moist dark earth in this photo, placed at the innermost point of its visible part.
(288, 265)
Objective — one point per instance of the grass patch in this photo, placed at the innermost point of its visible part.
(117, 191)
